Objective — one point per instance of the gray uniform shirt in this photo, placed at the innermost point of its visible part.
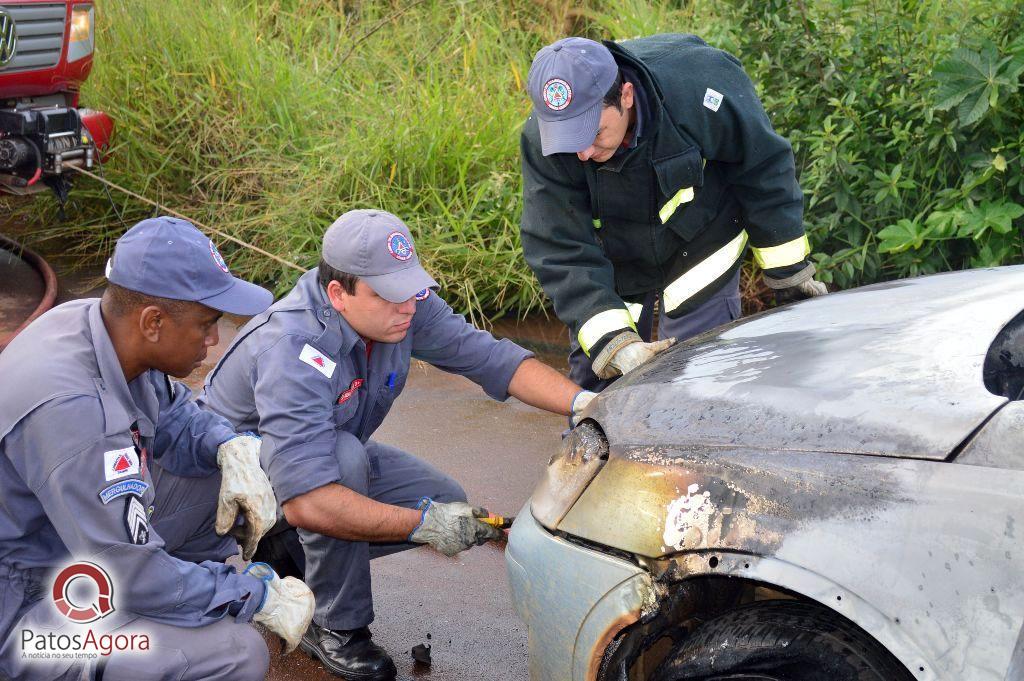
(302, 377)
(75, 441)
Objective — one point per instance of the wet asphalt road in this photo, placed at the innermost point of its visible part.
(497, 451)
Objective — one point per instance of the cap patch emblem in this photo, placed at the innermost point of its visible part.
(317, 360)
(218, 259)
(120, 463)
(399, 246)
(557, 94)
(423, 295)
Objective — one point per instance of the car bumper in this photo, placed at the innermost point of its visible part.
(572, 599)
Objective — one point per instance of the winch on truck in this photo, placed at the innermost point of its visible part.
(46, 53)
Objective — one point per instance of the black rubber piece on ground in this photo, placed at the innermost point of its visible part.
(783, 641)
(421, 654)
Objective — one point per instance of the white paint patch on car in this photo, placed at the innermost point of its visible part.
(688, 518)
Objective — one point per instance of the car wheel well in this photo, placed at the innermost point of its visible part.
(683, 606)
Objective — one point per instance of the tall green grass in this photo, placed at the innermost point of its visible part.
(267, 120)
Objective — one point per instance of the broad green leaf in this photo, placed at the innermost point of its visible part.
(943, 224)
(899, 237)
(973, 108)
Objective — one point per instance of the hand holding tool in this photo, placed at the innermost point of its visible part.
(453, 527)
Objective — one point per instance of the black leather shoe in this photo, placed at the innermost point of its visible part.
(350, 654)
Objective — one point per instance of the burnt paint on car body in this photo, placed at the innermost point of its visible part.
(886, 370)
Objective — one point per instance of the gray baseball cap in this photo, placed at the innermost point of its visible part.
(377, 247)
(170, 258)
(567, 82)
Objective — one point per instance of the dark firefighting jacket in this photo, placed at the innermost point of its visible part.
(675, 214)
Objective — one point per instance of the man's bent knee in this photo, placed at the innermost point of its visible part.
(449, 490)
(223, 651)
(251, 657)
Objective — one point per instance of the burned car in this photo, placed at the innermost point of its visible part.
(828, 490)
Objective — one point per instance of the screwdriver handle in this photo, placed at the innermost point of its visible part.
(498, 521)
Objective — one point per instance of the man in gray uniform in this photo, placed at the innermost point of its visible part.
(104, 459)
(316, 374)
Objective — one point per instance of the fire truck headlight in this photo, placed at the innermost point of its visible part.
(83, 32)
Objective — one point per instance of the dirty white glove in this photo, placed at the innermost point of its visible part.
(452, 527)
(244, 489)
(626, 352)
(287, 606)
(799, 286)
(579, 403)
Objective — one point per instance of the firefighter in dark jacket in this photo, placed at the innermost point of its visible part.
(648, 167)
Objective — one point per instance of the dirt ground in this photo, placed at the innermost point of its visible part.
(460, 606)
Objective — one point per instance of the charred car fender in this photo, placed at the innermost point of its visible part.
(779, 574)
(855, 533)
(594, 594)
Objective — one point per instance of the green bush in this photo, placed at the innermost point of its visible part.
(908, 127)
(267, 120)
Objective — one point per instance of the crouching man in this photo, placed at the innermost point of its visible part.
(316, 374)
(111, 476)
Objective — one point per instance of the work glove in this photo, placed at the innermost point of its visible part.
(244, 489)
(452, 527)
(799, 286)
(626, 352)
(579, 403)
(287, 606)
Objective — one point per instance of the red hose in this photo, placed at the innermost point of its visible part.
(49, 280)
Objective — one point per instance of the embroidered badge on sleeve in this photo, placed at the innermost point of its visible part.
(120, 463)
(120, 489)
(317, 360)
(135, 521)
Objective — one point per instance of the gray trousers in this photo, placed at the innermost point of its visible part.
(224, 651)
(338, 571)
(722, 307)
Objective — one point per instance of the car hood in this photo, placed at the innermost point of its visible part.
(891, 369)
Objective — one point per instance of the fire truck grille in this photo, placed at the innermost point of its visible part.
(40, 36)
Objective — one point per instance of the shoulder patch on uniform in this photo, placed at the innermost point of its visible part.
(317, 360)
(120, 463)
(423, 295)
(713, 99)
(135, 521)
(119, 489)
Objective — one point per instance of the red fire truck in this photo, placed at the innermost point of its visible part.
(46, 52)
